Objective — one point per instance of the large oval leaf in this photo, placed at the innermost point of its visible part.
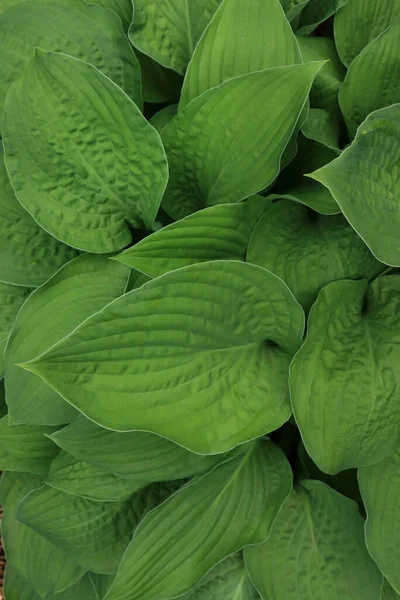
(168, 30)
(344, 381)
(308, 250)
(244, 36)
(359, 22)
(122, 8)
(209, 519)
(364, 183)
(12, 298)
(214, 233)
(46, 568)
(216, 157)
(85, 31)
(199, 355)
(77, 290)
(316, 550)
(137, 456)
(360, 93)
(80, 156)
(28, 254)
(379, 485)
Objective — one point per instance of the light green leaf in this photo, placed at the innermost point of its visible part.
(359, 22)
(12, 298)
(78, 186)
(28, 254)
(8, 3)
(25, 449)
(137, 456)
(343, 381)
(45, 567)
(241, 327)
(316, 12)
(316, 550)
(293, 8)
(379, 485)
(72, 476)
(82, 30)
(244, 36)
(293, 185)
(158, 84)
(215, 233)
(177, 543)
(227, 581)
(364, 183)
(228, 143)
(323, 127)
(168, 30)
(308, 250)
(94, 534)
(122, 8)
(164, 116)
(77, 290)
(388, 593)
(360, 93)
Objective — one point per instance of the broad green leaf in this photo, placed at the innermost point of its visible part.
(161, 119)
(293, 8)
(155, 351)
(316, 12)
(344, 379)
(158, 84)
(325, 89)
(215, 233)
(388, 593)
(83, 30)
(12, 298)
(122, 8)
(25, 449)
(77, 290)
(209, 519)
(365, 184)
(362, 93)
(316, 550)
(95, 534)
(44, 566)
(137, 456)
(5, 4)
(294, 185)
(168, 30)
(308, 250)
(73, 476)
(228, 143)
(78, 186)
(28, 254)
(226, 581)
(359, 22)
(379, 485)
(244, 36)
(323, 127)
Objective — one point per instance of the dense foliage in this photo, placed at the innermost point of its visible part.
(200, 299)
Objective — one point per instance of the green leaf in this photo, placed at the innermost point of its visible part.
(136, 280)
(256, 114)
(388, 593)
(168, 30)
(293, 8)
(316, 12)
(194, 240)
(379, 485)
(82, 30)
(359, 22)
(343, 380)
(72, 476)
(316, 550)
(95, 534)
(158, 84)
(12, 298)
(323, 127)
(227, 581)
(243, 36)
(122, 8)
(155, 351)
(63, 179)
(294, 185)
(44, 566)
(137, 456)
(28, 254)
(25, 449)
(308, 250)
(77, 290)
(209, 519)
(164, 116)
(360, 93)
(364, 183)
